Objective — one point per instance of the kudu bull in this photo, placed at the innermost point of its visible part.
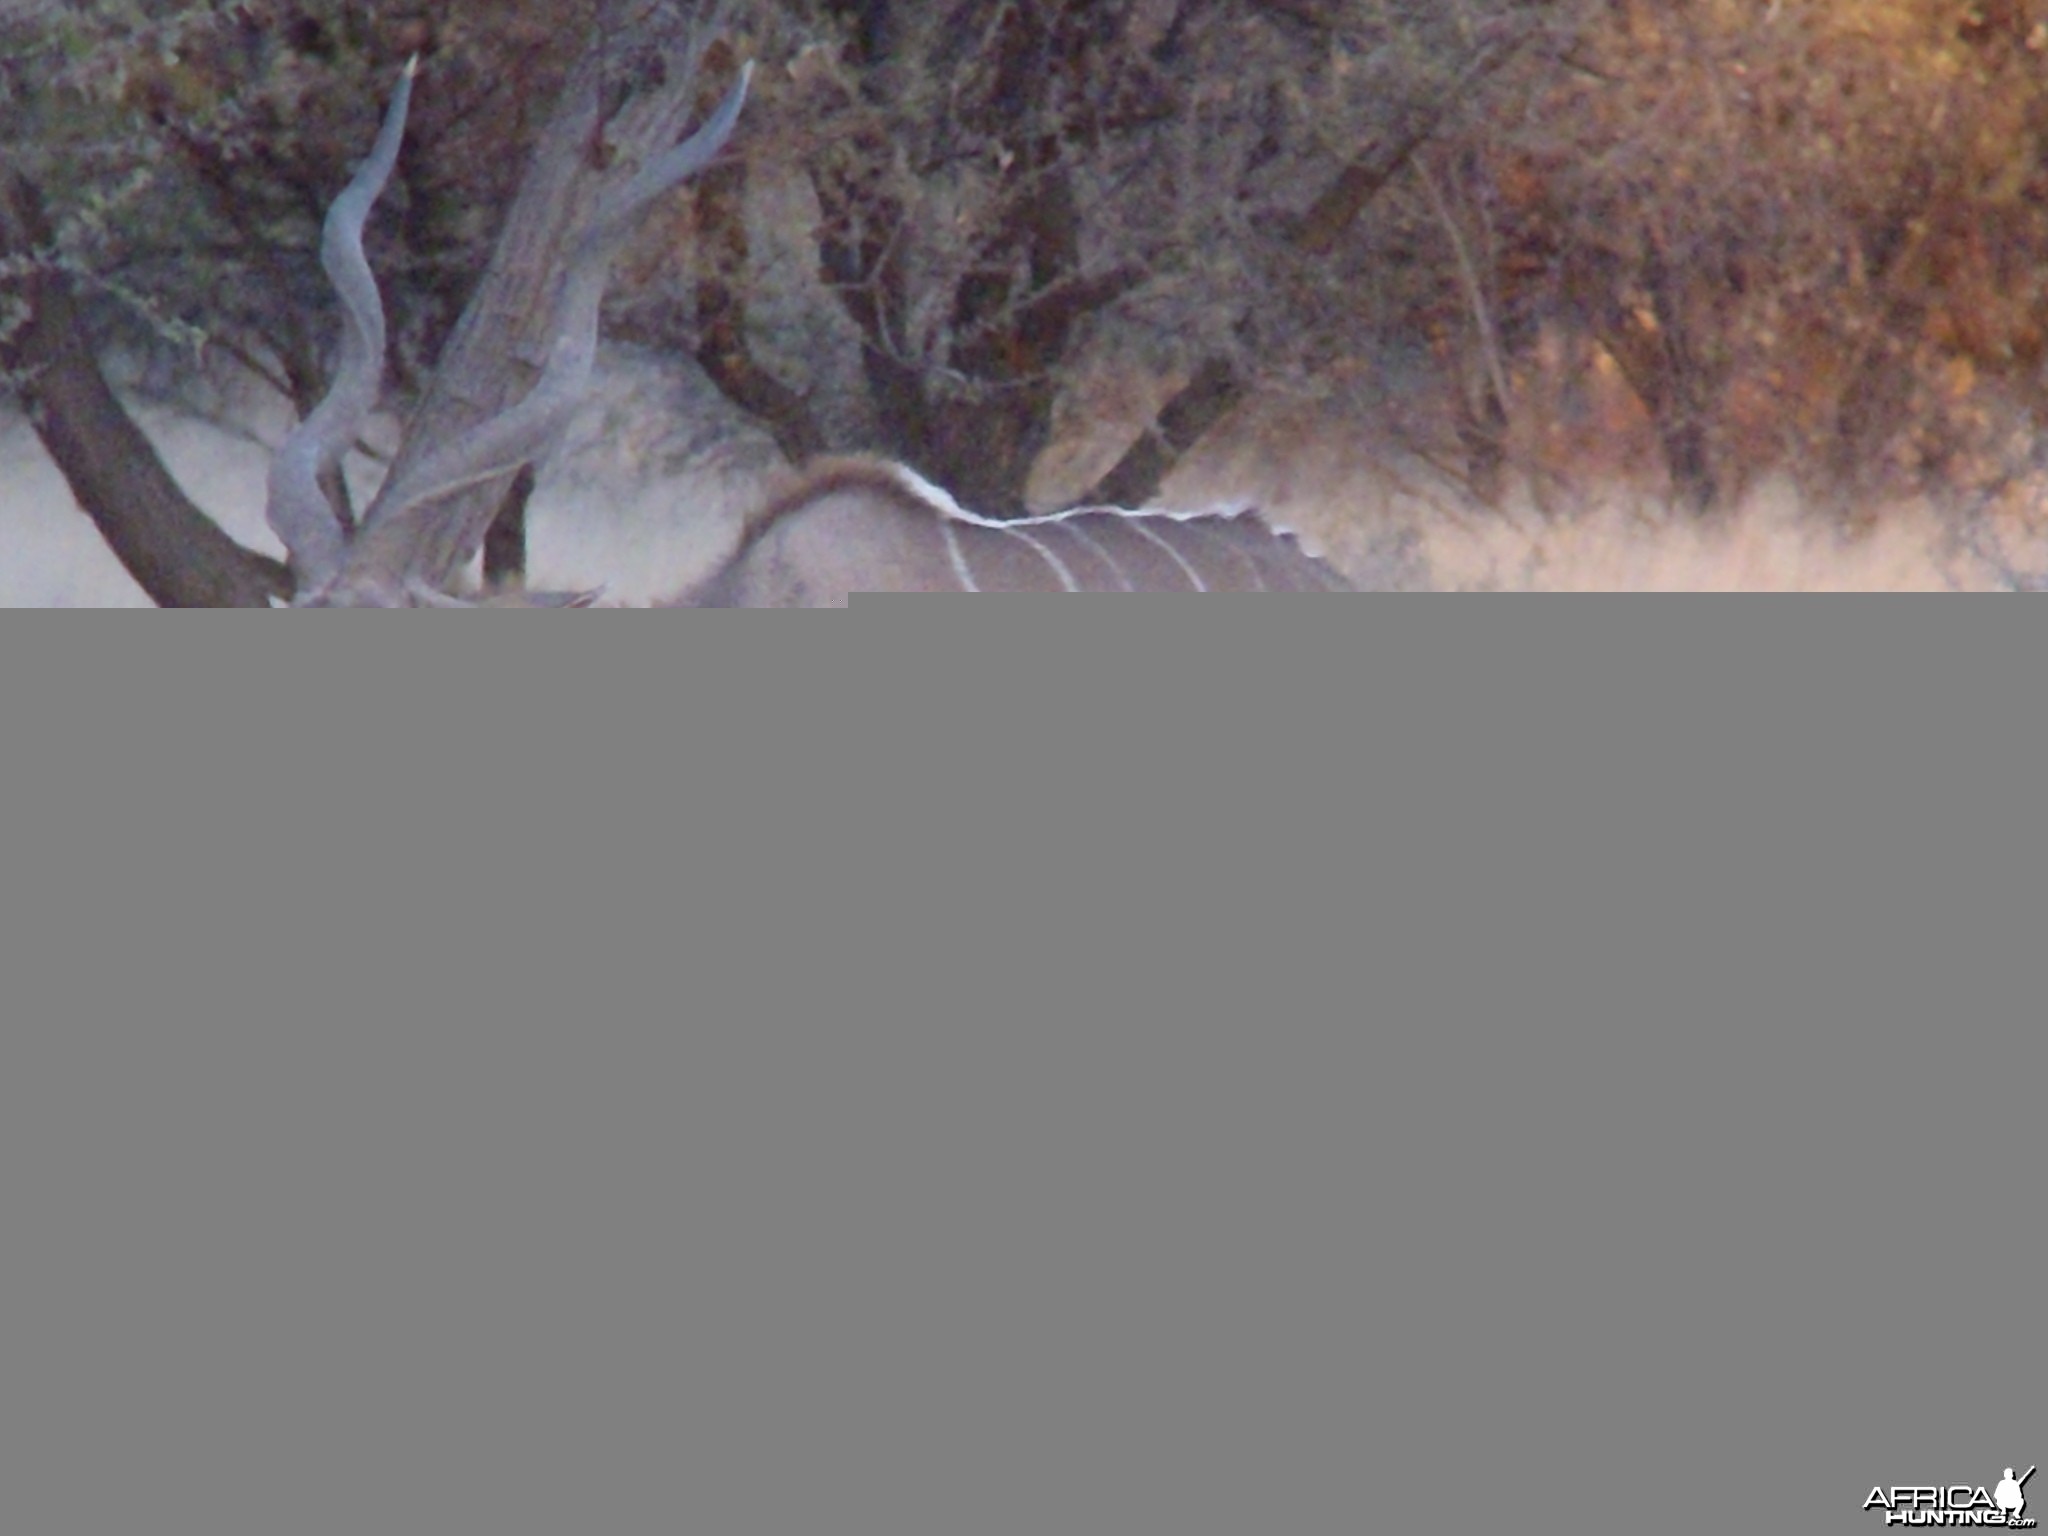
(846, 526)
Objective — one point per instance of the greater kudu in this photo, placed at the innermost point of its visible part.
(867, 525)
(848, 525)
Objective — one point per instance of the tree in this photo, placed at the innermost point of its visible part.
(630, 85)
(997, 183)
(1806, 235)
(997, 189)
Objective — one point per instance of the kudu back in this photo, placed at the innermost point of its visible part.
(845, 526)
(868, 525)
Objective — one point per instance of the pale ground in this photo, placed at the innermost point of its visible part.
(653, 476)
(1361, 503)
(644, 493)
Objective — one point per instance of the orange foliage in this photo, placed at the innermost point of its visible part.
(1821, 229)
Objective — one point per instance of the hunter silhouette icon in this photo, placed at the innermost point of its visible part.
(2008, 1494)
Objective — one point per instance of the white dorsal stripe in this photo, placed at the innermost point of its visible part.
(948, 507)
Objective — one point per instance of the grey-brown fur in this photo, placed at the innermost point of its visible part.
(866, 525)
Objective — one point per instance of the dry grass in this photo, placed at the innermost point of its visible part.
(1347, 489)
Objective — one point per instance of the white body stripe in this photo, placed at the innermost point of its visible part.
(943, 502)
(1179, 559)
(962, 571)
(1246, 562)
(1044, 552)
(1095, 545)
(868, 525)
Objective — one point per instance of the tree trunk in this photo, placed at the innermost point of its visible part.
(176, 553)
(1675, 386)
(505, 540)
(724, 351)
(1221, 384)
(498, 348)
